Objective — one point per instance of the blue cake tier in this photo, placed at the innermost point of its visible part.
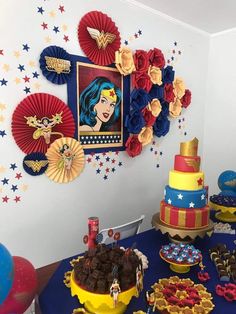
(185, 199)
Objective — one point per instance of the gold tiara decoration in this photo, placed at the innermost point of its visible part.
(57, 65)
(189, 148)
(109, 93)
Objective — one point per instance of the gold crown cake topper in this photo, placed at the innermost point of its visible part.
(189, 148)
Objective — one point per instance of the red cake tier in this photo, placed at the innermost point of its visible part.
(187, 163)
(185, 218)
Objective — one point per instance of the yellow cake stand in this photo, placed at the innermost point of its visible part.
(101, 303)
(226, 214)
(178, 267)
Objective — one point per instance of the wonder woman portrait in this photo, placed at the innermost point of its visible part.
(99, 105)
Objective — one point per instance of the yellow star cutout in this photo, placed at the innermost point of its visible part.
(94, 165)
(24, 187)
(32, 63)
(2, 118)
(2, 169)
(17, 80)
(16, 54)
(48, 39)
(2, 107)
(64, 27)
(6, 67)
(52, 13)
(37, 86)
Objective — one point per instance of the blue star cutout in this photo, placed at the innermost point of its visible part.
(151, 149)
(175, 43)
(179, 121)
(40, 10)
(3, 82)
(13, 166)
(14, 188)
(158, 165)
(97, 157)
(56, 29)
(105, 177)
(26, 90)
(2, 133)
(5, 181)
(161, 153)
(140, 32)
(98, 171)
(108, 159)
(185, 133)
(172, 58)
(126, 42)
(120, 164)
(35, 74)
(21, 67)
(113, 169)
(26, 47)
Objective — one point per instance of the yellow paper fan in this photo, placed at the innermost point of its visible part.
(66, 160)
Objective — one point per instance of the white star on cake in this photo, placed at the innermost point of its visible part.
(191, 205)
(202, 197)
(180, 196)
(169, 201)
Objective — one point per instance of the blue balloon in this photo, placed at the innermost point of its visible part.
(6, 272)
(227, 181)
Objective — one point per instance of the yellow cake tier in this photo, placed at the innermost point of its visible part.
(188, 181)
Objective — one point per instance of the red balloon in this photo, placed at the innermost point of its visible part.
(23, 289)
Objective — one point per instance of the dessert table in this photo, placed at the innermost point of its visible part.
(56, 298)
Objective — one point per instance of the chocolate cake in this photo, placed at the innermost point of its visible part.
(96, 271)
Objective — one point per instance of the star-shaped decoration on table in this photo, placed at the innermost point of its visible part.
(25, 47)
(37, 86)
(26, 90)
(40, 10)
(113, 161)
(66, 38)
(136, 35)
(105, 177)
(140, 32)
(2, 169)
(180, 196)
(52, 14)
(107, 170)
(175, 43)
(97, 157)
(31, 63)
(158, 166)
(61, 8)
(35, 74)
(113, 169)
(169, 201)
(17, 199)
(5, 181)
(2, 133)
(101, 164)
(200, 181)
(18, 176)
(44, 26)
(151, 149)
(5, 199)
(26, 79)
(56, 29)
(16, 54)
(120, 164)
(48, 39)
(3, 82)
(17, 80)
(107, 159)
(202, 197)
(21, 67)
(104, 154)
(172, 58)
(14, 188)
(191, 205)
(2, 106)
(2, 119)
(13, 166)
(24, 187)
(64, 27)
(1, 52)
(89, 160)
(6, 67)
(126, 42)
(98, 171)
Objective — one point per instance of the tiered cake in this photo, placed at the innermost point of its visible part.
(185, 203)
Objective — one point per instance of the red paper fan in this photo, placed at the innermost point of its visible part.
(99, 37)
(39, 120)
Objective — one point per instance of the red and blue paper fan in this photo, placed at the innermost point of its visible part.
(35, 163)
(99, 37)
(56, 64)
(40, 119)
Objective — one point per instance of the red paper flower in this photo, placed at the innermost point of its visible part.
(203, 276)
(99, 37)
(186, 99)
(141, 80)
(187, 302)
(156, 58)
(173, 300)
(181, 286)
(133, 146)
(229, 295)
(148, 117)
(117, 236)
(220, 290)
(169, 95)
(141, 61)
(110, 233)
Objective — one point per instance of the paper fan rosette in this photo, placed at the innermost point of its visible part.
(56, 65)
(66, 160)
(38, 120)
(35, 163)
(99, 37)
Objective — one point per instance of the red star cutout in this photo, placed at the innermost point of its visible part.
(168, 61)
(1, 52)
(113, 161)
(26, 79)
(136, 35)
(92, 154)
(112, 94)
(200, 181)
(89, 160)
(107, 170)
(173, 51)
(103, 154)
(66, 38)
(117, 153)
(17, 199)
(61, 8)
(5, 199)
(18, 176)
(101, 164)
(44, 25)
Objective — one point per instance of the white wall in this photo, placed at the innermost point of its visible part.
(50, 221)
(220, 112)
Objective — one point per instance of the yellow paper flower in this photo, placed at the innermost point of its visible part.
(124, 61)
(174, 309)
(146, 135)
(155, 107)
(187, 310)
(179, 87)
(161, 304)
(175, 108)
(155, 75)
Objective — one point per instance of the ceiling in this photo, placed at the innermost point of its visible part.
(211, 16)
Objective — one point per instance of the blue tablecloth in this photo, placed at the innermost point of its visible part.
(56, 298)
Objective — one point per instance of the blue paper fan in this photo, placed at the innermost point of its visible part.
(56, 64)
(35, 164)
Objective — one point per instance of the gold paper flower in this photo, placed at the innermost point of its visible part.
(174, 309)
(146, 135)
(174, 279)
(200, 287)
(179, 87)
(157, 287)
(161, 304)
(187, 310)
(155, 107)
(124, 61)
(164, 281)
(187, 281)
(181, 294)
(207, 304)
(205, 295)
(199, 309)
(155, 75)
(175, 108)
